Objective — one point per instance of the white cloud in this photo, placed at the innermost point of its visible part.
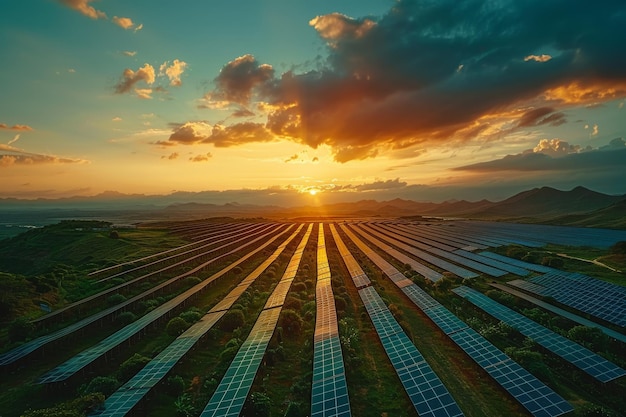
(129, 53)
(123, 22)
(538, 58)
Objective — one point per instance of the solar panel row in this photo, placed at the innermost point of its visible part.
(329, 391)
(516, 262)
(591, 363)
(592, 296)
(426, 244)
(428, 257)
(425, 390)
(76, 363)
(231, 393)
(416, 266)
(535, 396)
(127, 397)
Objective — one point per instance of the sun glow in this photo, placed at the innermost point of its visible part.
(313, 191)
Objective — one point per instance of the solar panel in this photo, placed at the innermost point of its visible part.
(516, 262)
(595, 365)
(410, 246)
(233, 389)
(431, 259)
(535, 396)
(329, 390)
(126, 397)
(513, 269)
(79, 361)
(230, 395)
(416, 266)
(425, 390)
(600, 299)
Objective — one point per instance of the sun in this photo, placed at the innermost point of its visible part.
(313, 191)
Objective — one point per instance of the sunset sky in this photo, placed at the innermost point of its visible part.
(344, 99)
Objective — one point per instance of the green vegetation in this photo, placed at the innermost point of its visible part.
(610, 263)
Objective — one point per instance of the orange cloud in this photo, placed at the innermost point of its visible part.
(123, 22)
(586, 93)
(10, 156)
(538, 58)
(130, 78)
(173, 71)
(15, 127)
(201, 158)
(83, 7)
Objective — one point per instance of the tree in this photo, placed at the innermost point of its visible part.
(126, 317)
(114, 234)
(590, 337)
(104, 384)
(291, 322)
(131, 366)
(176, 326)
(232, 320)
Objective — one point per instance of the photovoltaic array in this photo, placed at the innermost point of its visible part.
(127, 396)
(598, 298)
(329, 391)
(534, 395)
(76, 363)
(591, 363)
(231, 393)
(426, 391)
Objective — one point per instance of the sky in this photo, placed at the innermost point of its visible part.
(320, 100)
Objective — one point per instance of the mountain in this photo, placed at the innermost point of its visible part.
(613, 217)
(547, 202)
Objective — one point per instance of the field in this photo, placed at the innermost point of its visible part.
(365, 318)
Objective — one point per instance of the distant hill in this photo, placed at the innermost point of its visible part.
(579, 206)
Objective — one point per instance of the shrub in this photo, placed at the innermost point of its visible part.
(257, 404)
(131, 366)
(76, 408)
(114, 234)
(619, 248)
(175, 385)
(191, 315)
(291, 322)
(104, 384)
(292, 303)
(115, 299)
(176, 326)
(299, 287)
(232, 320)
(126, 317)
(237, 270)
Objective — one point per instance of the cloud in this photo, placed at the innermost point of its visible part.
(201, 158)
(123, 22)
(144, 93)
(15, 139)
(129, 53)
(239, 78)
(10, 156)
(23, 128)
(382, 185)
(558, 155)
(129, 78)
(220, 136)
(594, 131)
(83, 7)
(171, 156)
(116, 119)
(541, 116)
(174, 71)
(139, 27)
(435, 73)
(538, 58)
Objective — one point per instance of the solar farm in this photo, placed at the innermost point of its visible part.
(334, 318)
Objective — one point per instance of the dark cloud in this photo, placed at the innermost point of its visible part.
(239, 77)
(541, 116)
(219, 135)
(201, 157)
(382, 185)
(428, 71)
(571, 159)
